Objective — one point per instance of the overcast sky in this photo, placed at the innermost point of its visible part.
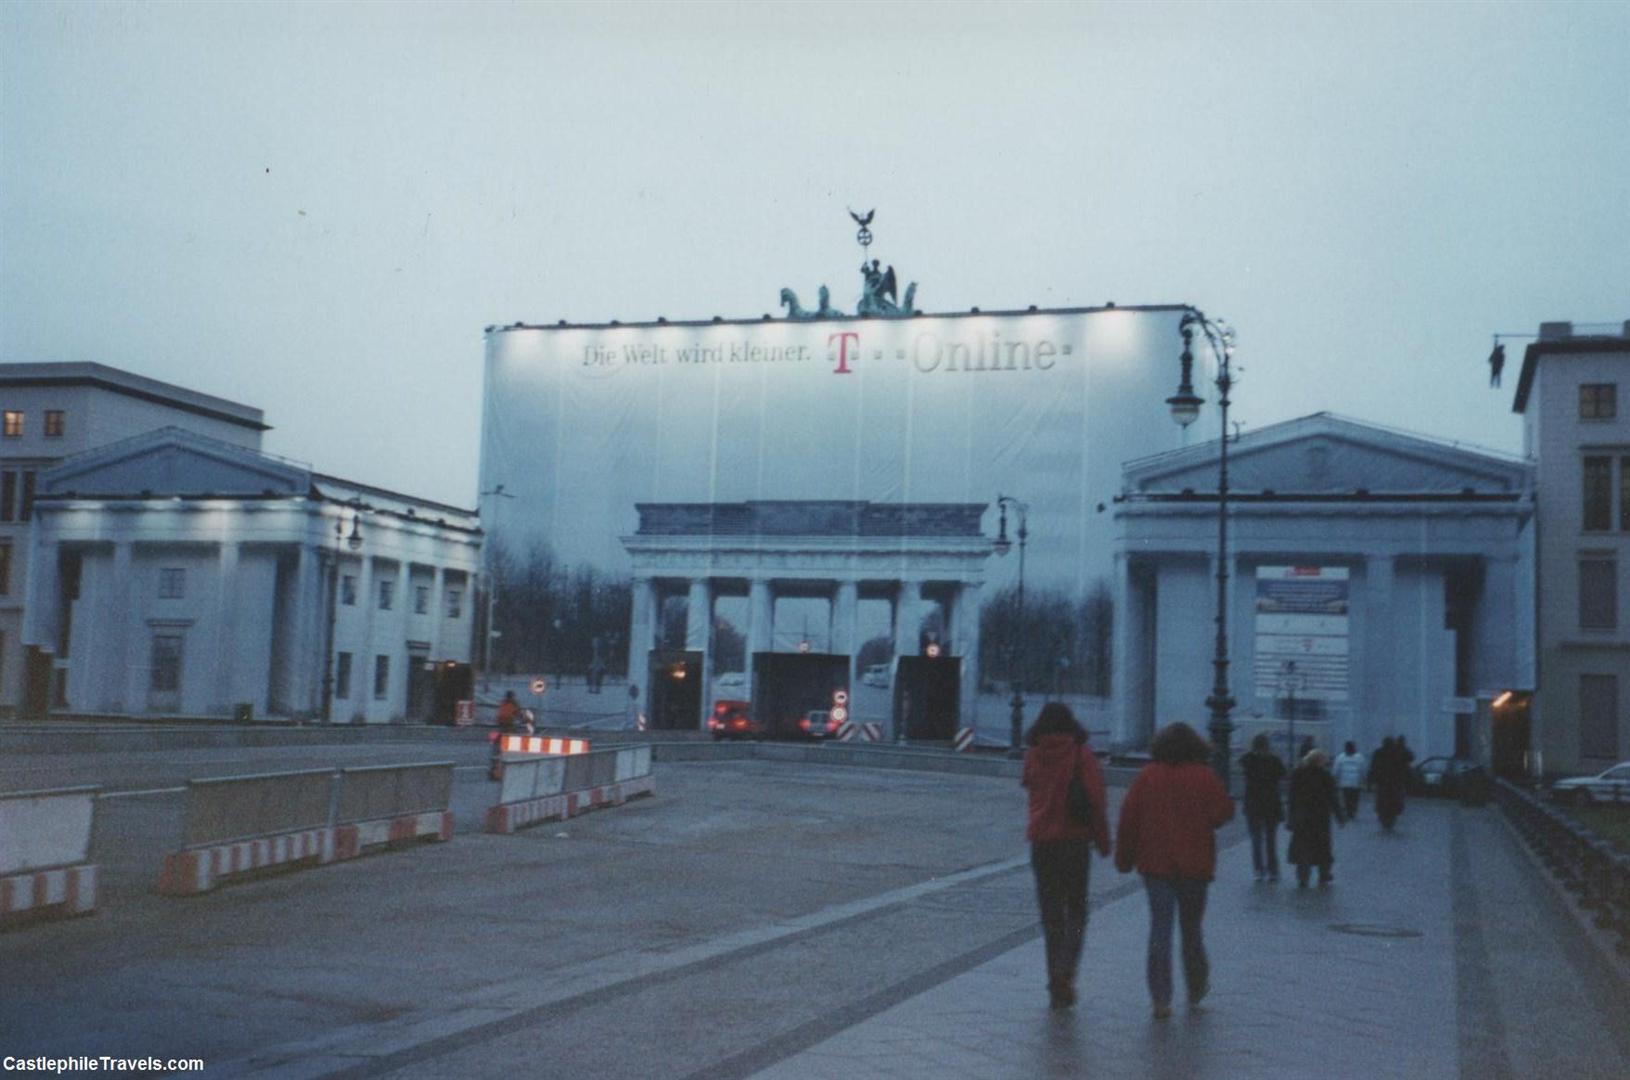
(316, 208)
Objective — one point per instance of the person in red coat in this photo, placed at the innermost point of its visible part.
(1060, 843)
(1167, 833)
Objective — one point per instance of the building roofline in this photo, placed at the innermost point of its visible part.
(1594, 343)
(115, 380)
(767, 319)
(383, 493)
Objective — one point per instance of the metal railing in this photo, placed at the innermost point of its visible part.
(1586, 865)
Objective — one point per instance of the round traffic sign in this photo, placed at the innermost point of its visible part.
(539, 685)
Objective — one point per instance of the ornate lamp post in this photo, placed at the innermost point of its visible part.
(1185, 406)
(352, 540)
(1002, 546)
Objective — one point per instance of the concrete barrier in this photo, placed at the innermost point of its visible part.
(237, 825)
(45, 842)
(552, 789)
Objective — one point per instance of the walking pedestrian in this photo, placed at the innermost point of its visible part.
(1059, 759)
(1390, 773)
(1348, 770)
(1312, 805)
(1263, 808)
(1167, 833)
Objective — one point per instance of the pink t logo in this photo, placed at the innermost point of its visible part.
(843, 341)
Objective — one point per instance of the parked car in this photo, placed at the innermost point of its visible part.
(733, 720)
(1446, 776)
(876, 675)
(1609, 785)
(819, 724)
(730, 682)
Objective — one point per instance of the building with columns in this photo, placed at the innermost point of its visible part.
(51, 411)
(919, 557)
(179, 574)
(1380, 584)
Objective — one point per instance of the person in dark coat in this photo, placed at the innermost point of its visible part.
(1389, 771)
(1263, 808)
(1313, 803)
(1167, 833)
(1060, 844)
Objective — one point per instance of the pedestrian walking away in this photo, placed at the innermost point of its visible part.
(1389, 772)
(1067, 818)
(1263, 808)
(1312, 805)
(1167, 833)
(1348, 770)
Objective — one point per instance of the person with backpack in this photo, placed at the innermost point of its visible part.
(1067, 818)
(1167, 833)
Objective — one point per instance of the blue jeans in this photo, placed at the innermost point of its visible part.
(1264, 845)
(1187, 896)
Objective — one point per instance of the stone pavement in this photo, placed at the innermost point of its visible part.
(1439, 951)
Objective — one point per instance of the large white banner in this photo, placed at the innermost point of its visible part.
(1301, 632)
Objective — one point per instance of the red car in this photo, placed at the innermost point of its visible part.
(731, 720)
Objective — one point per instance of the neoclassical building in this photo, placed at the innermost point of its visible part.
(178, 574)
(1381, 584)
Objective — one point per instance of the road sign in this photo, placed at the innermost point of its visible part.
(873, 732)
(846, 732)
(963, 740)
(539, 685)
(464, 713)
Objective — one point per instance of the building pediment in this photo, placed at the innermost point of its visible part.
(1324, 454)
(174, 462)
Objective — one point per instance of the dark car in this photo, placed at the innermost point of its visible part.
(1448, 777)
(733, 720)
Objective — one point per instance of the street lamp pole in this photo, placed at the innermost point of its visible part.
(497, 492)
(1185, 407)
(1003, 545)
(354, 542)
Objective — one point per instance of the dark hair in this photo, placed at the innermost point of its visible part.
(1176, 744)
(1351, 748)
(1055, 718)
(1260, 744)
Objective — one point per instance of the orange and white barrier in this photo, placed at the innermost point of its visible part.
(45, 839)
(540, 744)
(537, 788)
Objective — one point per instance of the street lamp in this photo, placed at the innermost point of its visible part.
(497, 492)
(352, 540)
(1185, 406)
(1002, 546)
(1291, 682)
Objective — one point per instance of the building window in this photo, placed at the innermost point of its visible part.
(1599, 716)
(421, 599)
(1598, 401)
(13, 423)
(348, 590)
(27, 509)
(1598, 494)
(342, 675)
(1624, 494)
(54, 423)
(5, 569)
(164, 675)
(455, 601)
(382, 676)
(172, 583)
(387, 595)
(8, 495)
(1598, 594)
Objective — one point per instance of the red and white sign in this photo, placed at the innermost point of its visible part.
(539, 685)
(464, 713)
(541, 744)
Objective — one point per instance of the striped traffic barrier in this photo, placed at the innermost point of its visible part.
(963, 740)
(45, 840)
(541, 744)
(872, 731)
(846, 731)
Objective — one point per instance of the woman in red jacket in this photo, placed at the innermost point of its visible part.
(1061, 843)
(1167, 833)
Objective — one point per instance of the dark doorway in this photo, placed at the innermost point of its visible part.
(1510, 719)
(421, 684)
(928, 696)
(676, 690)
(787, 687)
(454, 682)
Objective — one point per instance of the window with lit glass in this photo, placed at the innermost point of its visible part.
(55, 423)
(12, 424)
(1598, 401)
